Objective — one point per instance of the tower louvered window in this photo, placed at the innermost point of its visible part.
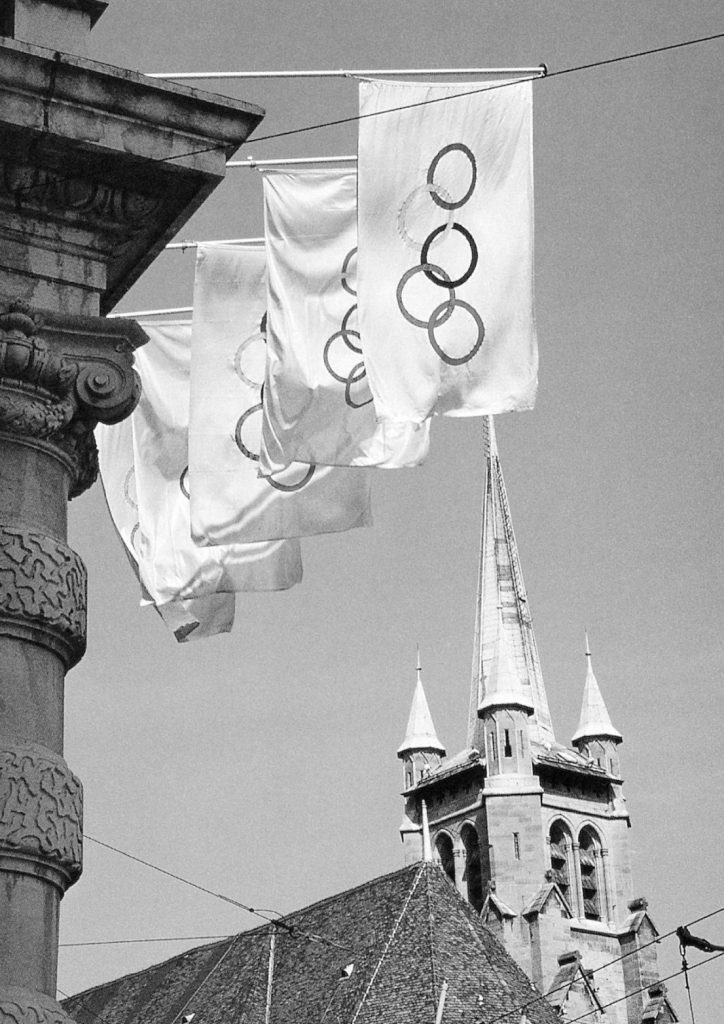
(560, 845)
(587, 854)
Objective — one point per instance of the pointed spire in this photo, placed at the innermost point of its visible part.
(501, 592)
(420, 733)
(503, 687)
(426, 841)
(594, 721)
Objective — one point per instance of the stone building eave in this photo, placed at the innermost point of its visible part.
(124, 158)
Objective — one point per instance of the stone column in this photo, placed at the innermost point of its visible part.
(99, 168)
(59, 375)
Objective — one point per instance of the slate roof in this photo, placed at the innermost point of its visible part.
(405, 933)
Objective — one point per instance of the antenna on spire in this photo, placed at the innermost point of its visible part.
(426, 841)
(419, 663)
(588, 646)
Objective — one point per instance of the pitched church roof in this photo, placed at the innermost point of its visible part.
(387, 952)
(595, 720)
(502, 593)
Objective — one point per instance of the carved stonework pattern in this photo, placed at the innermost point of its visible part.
(43, 589)
(41, 808)
(20, 1006)
(95, 202)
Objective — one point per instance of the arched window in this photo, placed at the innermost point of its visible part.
(589, 858)
(561, 858)
(473, 873)
(444, 851)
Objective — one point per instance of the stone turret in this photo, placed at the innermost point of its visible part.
(596, 737)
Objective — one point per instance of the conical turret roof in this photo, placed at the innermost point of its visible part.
(420, 733)
(595, 720)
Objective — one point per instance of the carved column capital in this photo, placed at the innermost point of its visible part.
(22, 1006)
(41, 814)
(60, 375)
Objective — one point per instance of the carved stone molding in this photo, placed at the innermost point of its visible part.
(42, 592)
(41, 810)
(60, 375)
(21, 1006)
(97, 204)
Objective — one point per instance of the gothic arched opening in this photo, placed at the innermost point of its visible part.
(589, 855)
(445, 855)
(473, 871)
(561, 845)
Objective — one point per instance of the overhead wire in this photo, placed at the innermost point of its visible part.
(489, 88)
(603, 967)
(126, 942)
(276, 922)
(643, 988)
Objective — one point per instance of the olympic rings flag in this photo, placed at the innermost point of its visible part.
(318, 406)
(445, 274)
(230, 502)
(190, 619)
(177, 568)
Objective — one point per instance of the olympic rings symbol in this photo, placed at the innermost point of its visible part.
(244, 446)
(136, 538)
(434, 273)
(333, 350)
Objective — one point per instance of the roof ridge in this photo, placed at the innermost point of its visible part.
(431, 932)
(254, 982)
(390, 940)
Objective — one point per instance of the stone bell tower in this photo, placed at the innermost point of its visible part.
(99, 167)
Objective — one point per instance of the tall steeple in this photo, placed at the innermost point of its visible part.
(502, 596)
(596, 736)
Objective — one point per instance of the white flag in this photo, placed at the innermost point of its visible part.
(230, 502)
(317, 402)
(175, 568)
(190, 619)
(445, 273)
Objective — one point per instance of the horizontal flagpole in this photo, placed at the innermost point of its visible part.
(136, 313)
(288, 161)
(342, 73)
(215, 241)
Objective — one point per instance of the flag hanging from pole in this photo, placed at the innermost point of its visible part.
(445, 269)
(230, 502)
(318, 406)
(171, 567)
(188, 619)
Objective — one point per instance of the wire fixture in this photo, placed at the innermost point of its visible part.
(540, 71)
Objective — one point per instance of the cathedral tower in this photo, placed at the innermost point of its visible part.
(534, 834)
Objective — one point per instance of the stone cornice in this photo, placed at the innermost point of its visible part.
(110, 151)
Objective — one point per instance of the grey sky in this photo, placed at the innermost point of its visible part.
(262, 765)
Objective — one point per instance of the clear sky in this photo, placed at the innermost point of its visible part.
(262, 764)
